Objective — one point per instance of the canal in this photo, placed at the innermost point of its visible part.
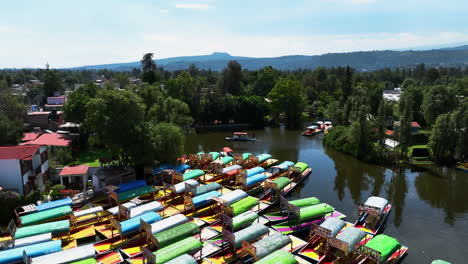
(429, 213)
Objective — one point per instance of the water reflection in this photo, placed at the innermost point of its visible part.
(356, 176)
(396, 194)
(448, 192)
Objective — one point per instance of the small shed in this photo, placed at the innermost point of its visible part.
(415, 126)
(80, 171)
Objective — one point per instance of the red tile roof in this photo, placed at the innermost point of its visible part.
(30, 136)
(415, 124)
(389, 132)
(18, 152)
(52, 139)
(75, 170)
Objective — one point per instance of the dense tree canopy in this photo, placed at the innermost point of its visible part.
(288, 96)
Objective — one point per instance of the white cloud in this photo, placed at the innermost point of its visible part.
(196, 6)
(164, 11)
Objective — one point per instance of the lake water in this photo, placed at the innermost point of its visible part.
(429, 213)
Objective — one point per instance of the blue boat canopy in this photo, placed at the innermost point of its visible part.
(54, 204)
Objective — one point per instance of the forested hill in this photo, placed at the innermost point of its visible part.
(361, 61)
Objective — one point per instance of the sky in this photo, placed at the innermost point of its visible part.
(89, 32)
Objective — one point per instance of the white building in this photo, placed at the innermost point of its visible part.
(23, 168)
(392, 95)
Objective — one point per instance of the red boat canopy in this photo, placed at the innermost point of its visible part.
(227, 149)
(240, 133)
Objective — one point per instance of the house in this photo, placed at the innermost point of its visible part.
(45, 120)
(55, 103)
(22, 168)
(415, 126)
(392, 95)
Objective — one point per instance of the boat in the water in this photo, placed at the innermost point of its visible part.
(373, 214)
(241, 136)
(312, 130)
(462, 167)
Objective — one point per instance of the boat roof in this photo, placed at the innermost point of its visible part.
(240, 133)
(319, 122)
(312, 127)
(376, 201)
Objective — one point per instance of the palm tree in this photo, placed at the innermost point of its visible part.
(147, 63)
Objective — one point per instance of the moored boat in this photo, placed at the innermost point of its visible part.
(240, 136)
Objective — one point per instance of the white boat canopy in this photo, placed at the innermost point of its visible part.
(312, 127)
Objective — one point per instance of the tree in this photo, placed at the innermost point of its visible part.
(265, 81)
(52, 83)
(173, 111)
(443, 140)
(460, 122)
(122, 80)
(231, 81)
(11, 130)
(437, 101)
(12, 115)
(75, 106)
(116, 118)
(186, 89)
(288, 96)
(380, 122)
(149, 69)
(147, 63)
(168, 140)
(406, 117)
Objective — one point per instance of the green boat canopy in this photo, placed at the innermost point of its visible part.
(303, 166)
(243, 205)
(193, 174)
(46, 215)
(52, 227)
(227, 159)
(246, 155)
(85, 261)
(281, 182)
(315, 211)
(130, 194)
(244, 219)
(215, 155)
(385, 245)
(177, 233)
(279, 256)
(305, 202)
(188, 245)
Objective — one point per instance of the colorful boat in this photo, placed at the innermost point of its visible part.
(240, 136)
(300, 219)
(312, 130)
(373, 214)
(462, 167)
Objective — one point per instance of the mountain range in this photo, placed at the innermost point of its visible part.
(361, 60)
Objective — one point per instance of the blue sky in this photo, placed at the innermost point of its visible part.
(85, 32)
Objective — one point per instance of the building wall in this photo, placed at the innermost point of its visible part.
(10, 176)
(36, 161)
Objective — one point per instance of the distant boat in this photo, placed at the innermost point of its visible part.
(312, 130)
(462, 167)
(240, 136)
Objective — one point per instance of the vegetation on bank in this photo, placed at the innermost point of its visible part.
(142, 115)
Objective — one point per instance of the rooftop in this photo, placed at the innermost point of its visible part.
(50, 139)
(18, 152)
(75, 170)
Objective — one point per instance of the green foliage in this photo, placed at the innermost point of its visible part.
(11, 117)
(11, 200)
(53, 83)
(75, 106)
(348, 139)
(62, 155)
(116, 119)
(443, 139)
(437, 100)
(171, 111)
(168, 141)
(288, 97)
(231, 81)
(265, 81)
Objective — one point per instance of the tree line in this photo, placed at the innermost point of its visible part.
(134, 112)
